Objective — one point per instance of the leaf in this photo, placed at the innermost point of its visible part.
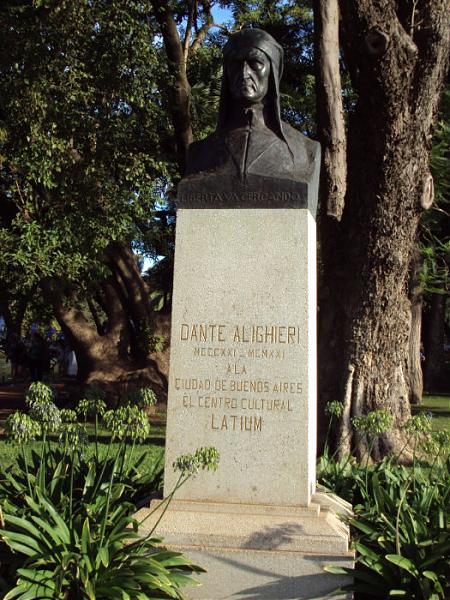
(365, 551)
(26, 540)
(62, 527)
(338, 570)
(363, 527)
(52, 532)
(403, 563)
(430, 575)
(90, 590)
(104, 555)
(25, 525)
(85, 537)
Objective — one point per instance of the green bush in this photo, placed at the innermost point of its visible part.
(99, 555)
(401, 526)
(67, 525)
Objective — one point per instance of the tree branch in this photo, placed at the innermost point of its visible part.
(329, 106)
(166, 21)
(187, 35)
(179, 90)
(201, 34)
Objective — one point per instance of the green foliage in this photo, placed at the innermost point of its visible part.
(22, 428)
(146, 397)
(400, 526)
(334, 409)
(127, 422)
(39, 399)
(68, 529)
(205, 75)
(84, 137)
(338, 475)
(39, 393)
(203, 458)
(401, 532)
(87, 560)
(374, 423)
(91, 407)
(68, 415)
(437, 408)
(418, 426)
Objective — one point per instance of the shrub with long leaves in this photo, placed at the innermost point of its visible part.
(70, 515)
(401, 532)
(86, 560)
(401, 524)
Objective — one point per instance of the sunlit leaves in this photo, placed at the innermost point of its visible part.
(83, 137)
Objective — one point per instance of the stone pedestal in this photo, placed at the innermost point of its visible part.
(257, 551)
(243, 379)
(243, 354)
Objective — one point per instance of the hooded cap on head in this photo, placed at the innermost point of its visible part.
(255, 38)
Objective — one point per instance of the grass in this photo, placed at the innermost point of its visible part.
(153, 447)
(9, 452)
(439, 407)
(158, 431)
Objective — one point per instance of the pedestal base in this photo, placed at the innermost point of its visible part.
(259, 552)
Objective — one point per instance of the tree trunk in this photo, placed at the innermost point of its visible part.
(330, 111)
(178, 90)
(147, 338)
(434, 367)
(103, 359)
(365, 310)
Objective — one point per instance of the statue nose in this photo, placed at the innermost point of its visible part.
(245, 69)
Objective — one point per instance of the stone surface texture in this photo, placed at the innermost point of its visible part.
(243, 354)
(243, 379)
(256, 551)
(262, 575)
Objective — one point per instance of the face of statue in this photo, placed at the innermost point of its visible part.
(247, 71)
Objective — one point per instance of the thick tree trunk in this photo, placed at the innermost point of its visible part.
(147, 338)
(365, 310)
(103, 359)
(435, 380)
(134, 297)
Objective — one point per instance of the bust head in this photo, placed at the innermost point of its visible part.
(247, 72)
(251, 140)
(251, 150)
(252, 68)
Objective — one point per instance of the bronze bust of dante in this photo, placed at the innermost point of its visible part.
(253, 158)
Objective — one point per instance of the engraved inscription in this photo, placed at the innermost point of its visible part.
(202, 332)
(258, 386)
(236, 401)
(233, 197)
(236, 423)
(254, 334)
